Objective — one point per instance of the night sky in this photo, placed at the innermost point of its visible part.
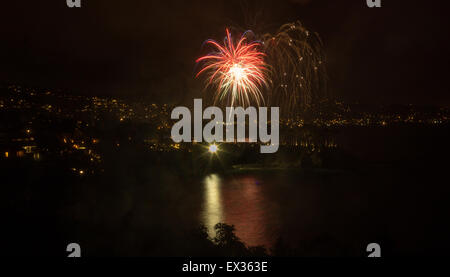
(396, 54)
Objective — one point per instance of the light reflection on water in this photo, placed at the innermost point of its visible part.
(212, 212)
(242, 202)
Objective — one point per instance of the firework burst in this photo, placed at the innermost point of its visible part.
(238, 71)
(298, 75)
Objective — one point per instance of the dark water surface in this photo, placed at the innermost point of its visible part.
(395, 192)
(398, 195)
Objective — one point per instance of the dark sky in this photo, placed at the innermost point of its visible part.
(396, 54)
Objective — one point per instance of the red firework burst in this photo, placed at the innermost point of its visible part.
(238, 71)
